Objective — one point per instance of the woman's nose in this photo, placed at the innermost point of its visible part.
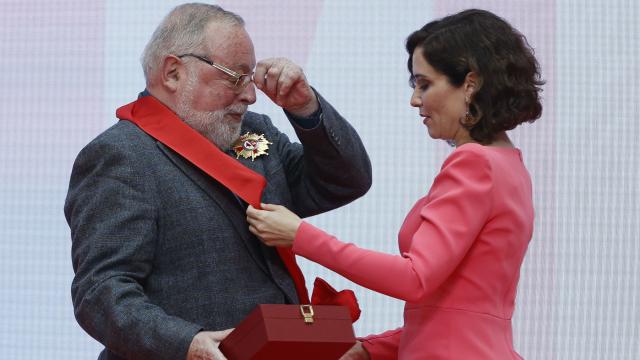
(415, 100)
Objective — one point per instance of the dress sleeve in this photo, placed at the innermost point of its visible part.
(456, 209)
(383, 346)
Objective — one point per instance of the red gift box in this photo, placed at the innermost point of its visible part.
(291, 332)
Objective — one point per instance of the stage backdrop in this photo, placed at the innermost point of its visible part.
(67, 65)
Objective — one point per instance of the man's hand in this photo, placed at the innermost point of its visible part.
(275, 225)
(357, 352)
(285, 84)
(204, 345)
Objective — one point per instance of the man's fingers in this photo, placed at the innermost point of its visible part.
(218, 355)
(260, 73)
(271, 82)
(220, 335)
(289, 76)
(279, 79)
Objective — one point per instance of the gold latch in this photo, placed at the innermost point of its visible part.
(307, 313)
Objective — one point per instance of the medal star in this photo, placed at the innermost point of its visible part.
(251, 145)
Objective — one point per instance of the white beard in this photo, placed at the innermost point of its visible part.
(211, 124)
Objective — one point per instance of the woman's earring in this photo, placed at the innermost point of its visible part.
(468, 118)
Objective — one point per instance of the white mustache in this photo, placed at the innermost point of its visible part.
(239, 109)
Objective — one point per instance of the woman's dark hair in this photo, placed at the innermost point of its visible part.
(509, 83)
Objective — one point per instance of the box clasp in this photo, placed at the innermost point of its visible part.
(307, 313)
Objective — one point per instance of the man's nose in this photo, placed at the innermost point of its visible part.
(248, 94)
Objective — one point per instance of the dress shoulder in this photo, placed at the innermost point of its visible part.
(468, 158)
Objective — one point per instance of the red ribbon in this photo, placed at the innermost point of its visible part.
(161, 123)
(155, 119)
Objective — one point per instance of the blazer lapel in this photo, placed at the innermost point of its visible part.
(258, 167)
(276, 267)
(226, 200)
(266, 257)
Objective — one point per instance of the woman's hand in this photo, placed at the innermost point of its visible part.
(275, 225)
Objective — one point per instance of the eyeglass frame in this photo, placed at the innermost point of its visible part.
(235, 75)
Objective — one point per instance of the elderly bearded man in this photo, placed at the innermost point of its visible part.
(164, 261)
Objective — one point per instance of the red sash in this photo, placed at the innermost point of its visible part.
(155, 119)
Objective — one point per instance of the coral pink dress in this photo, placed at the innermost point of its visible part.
(461, 248)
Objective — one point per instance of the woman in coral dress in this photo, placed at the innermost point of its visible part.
(462, 245)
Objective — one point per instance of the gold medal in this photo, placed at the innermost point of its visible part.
(251, 146)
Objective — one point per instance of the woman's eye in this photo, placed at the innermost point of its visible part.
(422, 86)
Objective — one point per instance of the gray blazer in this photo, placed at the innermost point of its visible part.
(161, 251)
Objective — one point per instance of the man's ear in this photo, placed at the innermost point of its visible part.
(172, 72)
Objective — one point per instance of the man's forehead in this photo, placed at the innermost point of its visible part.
(231, 44)
(223, 35)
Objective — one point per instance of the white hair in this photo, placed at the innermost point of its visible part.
(183, 31)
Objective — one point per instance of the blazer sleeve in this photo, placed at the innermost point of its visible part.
(457, 208)
(329, 169)
(113, 229)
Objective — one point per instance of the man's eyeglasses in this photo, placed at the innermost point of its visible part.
(239, 81)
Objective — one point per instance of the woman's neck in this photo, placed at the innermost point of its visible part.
(501, 140)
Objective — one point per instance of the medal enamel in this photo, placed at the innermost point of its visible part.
(251, 146)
